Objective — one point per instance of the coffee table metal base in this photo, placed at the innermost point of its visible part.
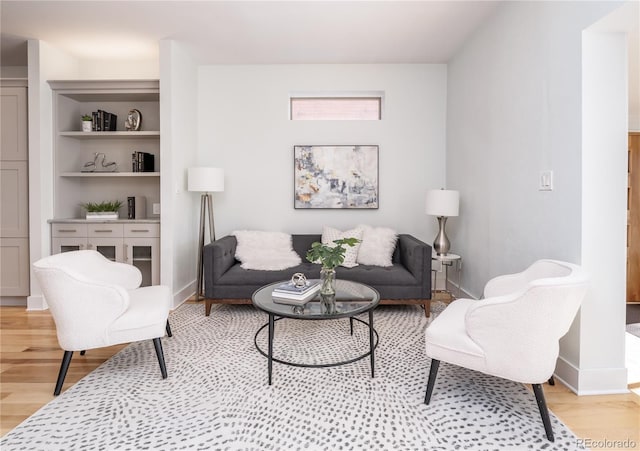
(373, 344)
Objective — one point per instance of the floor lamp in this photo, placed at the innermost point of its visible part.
(443, 204)
(205, 181)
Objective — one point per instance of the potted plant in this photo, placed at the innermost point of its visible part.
(329, 257)
(87, 123)
(102, 210)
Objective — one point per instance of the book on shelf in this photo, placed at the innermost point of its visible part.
(136, 207)
(142, 162)
(103, 121)
(288, 287)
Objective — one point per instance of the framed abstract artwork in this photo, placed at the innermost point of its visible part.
(335, 177)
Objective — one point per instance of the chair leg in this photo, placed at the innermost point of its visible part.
(544, 412)
(552, 380)
(168, 328)
(66, 360)
(83, 352)
(433, 372)
(158, 345)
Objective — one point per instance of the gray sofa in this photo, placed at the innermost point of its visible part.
(408, 281)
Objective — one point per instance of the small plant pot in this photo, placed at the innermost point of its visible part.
(102, 215)
(86, 126)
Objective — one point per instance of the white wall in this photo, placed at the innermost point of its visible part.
(515, 109)
(119, 69)
(178, 148)
(244, 127)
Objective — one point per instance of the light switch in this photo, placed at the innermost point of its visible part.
(546, 181)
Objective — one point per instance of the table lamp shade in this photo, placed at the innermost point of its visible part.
(442, 202)
(206, 180)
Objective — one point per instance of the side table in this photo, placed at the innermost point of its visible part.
(447, 261)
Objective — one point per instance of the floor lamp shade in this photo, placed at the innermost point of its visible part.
(205, 180)
(443, 204)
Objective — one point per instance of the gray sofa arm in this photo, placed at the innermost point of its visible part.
(415, 255)
(219, 256)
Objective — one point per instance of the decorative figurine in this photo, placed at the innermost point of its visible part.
(299, 280)
(91, 166)
(134, 120)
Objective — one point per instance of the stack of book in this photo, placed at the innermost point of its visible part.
(103, 121)
(142, 162)
(288, 293)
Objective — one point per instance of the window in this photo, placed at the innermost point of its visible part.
(336, 108)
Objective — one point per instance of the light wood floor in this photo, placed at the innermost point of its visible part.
(30, 360)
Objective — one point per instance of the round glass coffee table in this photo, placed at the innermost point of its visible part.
(351, 299)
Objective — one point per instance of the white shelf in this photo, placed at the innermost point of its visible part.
(112, 135)
(109, 174)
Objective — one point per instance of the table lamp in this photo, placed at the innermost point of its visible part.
(443, 204)
(205, 181)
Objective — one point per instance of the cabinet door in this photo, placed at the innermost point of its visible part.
(109, 247)
(13, 124)
(144, 254)
(14, 261)
(68, 244)
(14, 207)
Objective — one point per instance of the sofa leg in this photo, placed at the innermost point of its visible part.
(207, 306)
(427, 308)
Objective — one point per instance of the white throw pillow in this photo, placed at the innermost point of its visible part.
(378, 244)
(329, 235)
(267, 251)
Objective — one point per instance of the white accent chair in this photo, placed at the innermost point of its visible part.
(96, 302)
(514, 331)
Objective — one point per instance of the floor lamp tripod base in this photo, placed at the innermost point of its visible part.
(441, 244)
(206, 210)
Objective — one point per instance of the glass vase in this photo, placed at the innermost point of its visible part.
(328, 279)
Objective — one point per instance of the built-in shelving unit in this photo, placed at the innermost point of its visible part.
(74, 148)
(137, 241)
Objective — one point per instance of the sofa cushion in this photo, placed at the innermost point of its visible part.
(329, 235)
(268, 251)
(378, 244)
(378, 275)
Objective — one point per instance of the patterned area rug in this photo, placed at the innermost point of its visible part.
(217, 396)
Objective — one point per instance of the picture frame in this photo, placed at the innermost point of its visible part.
(336, 177)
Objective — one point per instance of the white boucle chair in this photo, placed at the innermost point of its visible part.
(96, 302)
(514, 331)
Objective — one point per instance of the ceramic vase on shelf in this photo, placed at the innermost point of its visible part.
(86, 126)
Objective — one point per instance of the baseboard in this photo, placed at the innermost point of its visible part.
(13, 301)
(596, 381)
(36, 303)
(183, 295)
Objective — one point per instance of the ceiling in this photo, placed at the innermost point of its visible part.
(245, 32)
